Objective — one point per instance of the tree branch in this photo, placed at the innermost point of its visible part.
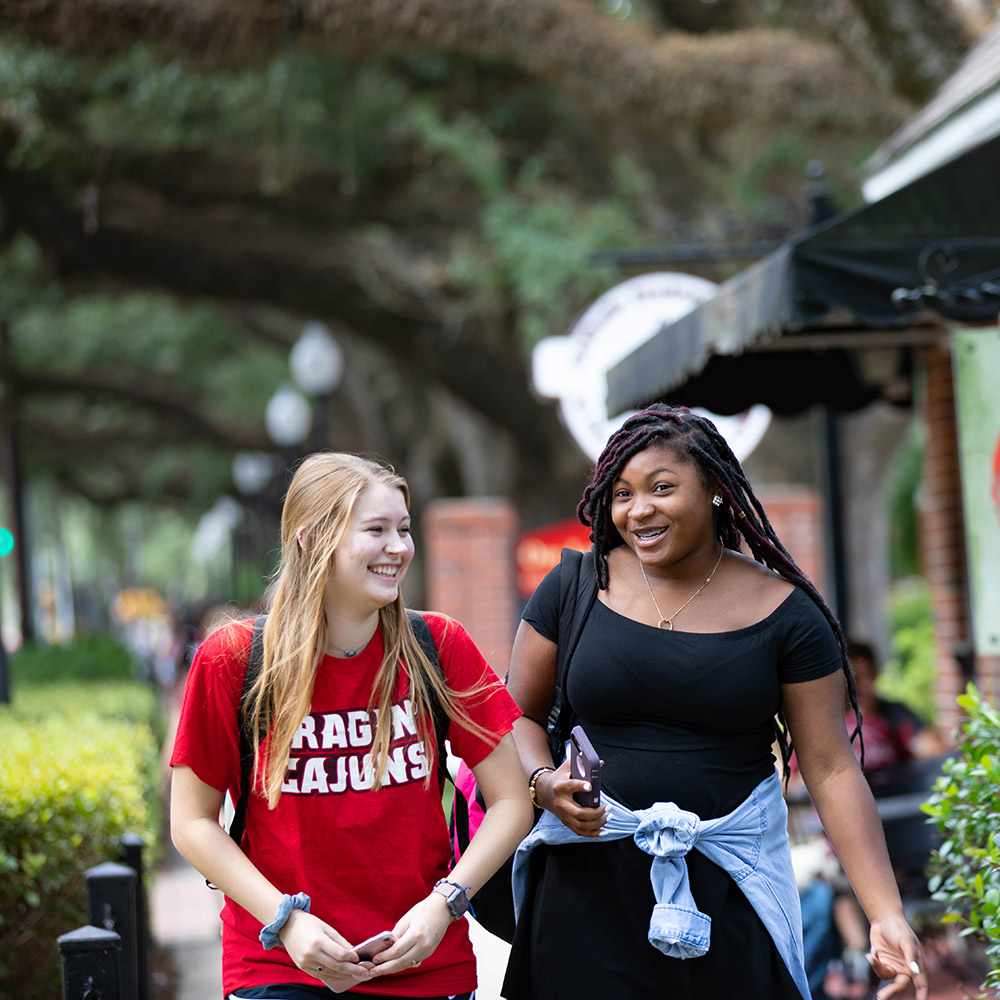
(615, 71)
(921, 41)
(237, 264)
(127, 489)
(141, 390)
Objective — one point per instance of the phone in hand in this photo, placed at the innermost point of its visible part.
(585, 765)
(370, 947)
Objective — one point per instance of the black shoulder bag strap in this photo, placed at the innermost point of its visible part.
(248, 741)
(422, 633)
(577, 592)
(254, 662)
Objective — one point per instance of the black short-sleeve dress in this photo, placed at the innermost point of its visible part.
(677, 717)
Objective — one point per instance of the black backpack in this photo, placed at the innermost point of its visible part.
(494, 903)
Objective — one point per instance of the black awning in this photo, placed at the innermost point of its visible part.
(929, 249)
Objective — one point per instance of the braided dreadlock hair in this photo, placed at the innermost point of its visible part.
(741, 518)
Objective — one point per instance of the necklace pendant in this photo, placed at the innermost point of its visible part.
(665, 622)
(350, 652)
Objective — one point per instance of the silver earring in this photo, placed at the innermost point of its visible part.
(717, 500)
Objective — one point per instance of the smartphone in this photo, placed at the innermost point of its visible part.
(369, 948)
(585, 765)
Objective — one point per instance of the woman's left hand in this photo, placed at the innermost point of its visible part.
(896, 954)
(418, 933)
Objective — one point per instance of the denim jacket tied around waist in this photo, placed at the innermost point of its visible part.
(750, 843)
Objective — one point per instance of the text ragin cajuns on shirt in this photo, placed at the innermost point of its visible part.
(331, 752)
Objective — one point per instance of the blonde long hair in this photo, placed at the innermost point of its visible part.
(320, 499)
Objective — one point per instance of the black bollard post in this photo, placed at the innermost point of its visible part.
(111, 904)
(90, 964)
(131, 855)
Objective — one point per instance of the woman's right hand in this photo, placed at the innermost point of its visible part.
(316, 948)
(554, 792)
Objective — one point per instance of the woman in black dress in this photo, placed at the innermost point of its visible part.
(694, 658)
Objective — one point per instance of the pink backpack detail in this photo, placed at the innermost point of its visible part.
(465, 785)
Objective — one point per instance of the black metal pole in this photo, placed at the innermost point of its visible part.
(820, 207)
(12, 472)
(834, 512)
(320, 437)
(131, 854)
(111, 904)
(90, 964)
(4, 667)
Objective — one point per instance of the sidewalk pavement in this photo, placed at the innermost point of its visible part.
(184, 922)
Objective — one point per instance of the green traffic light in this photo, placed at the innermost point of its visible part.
(6, 542)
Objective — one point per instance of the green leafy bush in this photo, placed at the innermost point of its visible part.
(910, 674)
(79, 768)
(127, 701)
(86, 658)
(965, 805)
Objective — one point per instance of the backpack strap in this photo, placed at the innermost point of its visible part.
(422, 633)
(577, 592)
(247, 741)
(254, 662)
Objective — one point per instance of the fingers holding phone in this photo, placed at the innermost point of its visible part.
(320, 950)
(556, 791)
(416, 936)
(586, 815)
(372, 946)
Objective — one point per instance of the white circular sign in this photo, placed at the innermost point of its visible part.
(574, 368)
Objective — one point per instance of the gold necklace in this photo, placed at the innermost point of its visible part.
(670, 621)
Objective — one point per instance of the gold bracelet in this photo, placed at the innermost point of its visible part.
(533, 780)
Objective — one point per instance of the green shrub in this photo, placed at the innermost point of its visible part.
(965, 805)
(87, 658)
(126, 701)
(910, 674)
(73, 778)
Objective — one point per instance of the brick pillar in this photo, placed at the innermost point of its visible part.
(796, 514)
(469, 552)
(942, 532)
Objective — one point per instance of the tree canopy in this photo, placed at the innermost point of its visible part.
(185, 182)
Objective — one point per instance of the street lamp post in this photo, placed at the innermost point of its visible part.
(294, 410)
(252, 474)
(317, 366)
(287, 416)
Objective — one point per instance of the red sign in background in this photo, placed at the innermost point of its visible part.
(996, 478)
(538, 550)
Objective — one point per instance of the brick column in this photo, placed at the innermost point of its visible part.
(942, 532)
(469, 552)
(796, 514)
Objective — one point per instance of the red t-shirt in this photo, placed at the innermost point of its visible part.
(887, 733)
(363, 857)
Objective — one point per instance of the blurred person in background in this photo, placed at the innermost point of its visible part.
(892, 732)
